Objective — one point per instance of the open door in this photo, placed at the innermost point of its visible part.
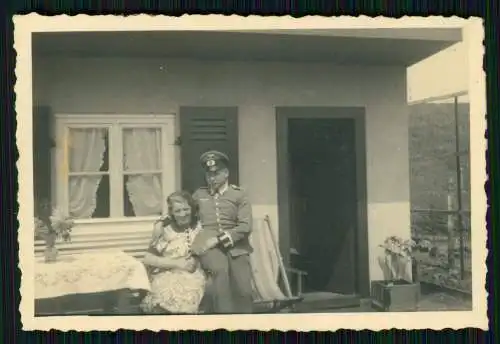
(323, 189)
(322, 201)
(203, 129)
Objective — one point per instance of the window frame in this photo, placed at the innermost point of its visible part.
(115, 123)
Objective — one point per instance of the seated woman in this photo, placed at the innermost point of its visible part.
(177, 281)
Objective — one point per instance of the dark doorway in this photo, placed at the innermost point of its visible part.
(322, 162)
(322, 196)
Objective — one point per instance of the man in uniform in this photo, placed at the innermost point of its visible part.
(223, 245)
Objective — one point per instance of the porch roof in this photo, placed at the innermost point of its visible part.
(402, 47)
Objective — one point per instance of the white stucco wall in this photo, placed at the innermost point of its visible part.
(161, 86)
(444, 73)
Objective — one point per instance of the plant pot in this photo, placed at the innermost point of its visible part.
(395, 296)
(51, 254)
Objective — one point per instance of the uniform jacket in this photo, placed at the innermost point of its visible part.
(229, 212)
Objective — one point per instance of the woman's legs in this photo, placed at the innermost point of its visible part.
(175, 291)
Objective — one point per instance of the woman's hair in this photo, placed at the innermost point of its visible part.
(186, 197)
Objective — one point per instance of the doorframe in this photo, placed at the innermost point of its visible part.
(358, 114)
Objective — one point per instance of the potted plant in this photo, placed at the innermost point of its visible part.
(50, 226)
(400, 290)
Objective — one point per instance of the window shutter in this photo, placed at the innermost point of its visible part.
(203, 129)
(42, 159)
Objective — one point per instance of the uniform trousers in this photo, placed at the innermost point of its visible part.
(230, 290)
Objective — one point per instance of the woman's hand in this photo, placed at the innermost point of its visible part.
(187, 264)
(192, 264)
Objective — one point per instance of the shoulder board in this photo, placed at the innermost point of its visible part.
(236, 187)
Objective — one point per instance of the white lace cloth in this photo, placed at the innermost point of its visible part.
(89, 273)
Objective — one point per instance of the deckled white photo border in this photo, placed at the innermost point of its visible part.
(25, 25)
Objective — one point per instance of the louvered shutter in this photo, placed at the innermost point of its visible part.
(203, 129)
(42, 145)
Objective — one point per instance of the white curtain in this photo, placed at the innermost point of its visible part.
(87, 147)
(142, 152)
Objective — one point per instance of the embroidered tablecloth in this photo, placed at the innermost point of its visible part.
(89, 273)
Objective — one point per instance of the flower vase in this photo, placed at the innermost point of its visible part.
(50, 252)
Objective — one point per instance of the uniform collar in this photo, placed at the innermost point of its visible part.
(222, 190)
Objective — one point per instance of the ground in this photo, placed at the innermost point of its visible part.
(432, 302)
(441, 301)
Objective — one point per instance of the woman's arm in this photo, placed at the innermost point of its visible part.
(153, 260)
(152, 257)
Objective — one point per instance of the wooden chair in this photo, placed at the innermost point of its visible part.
(272, 290)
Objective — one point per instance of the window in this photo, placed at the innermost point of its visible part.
(114, 166)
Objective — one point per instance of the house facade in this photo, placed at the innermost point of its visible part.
(316, 129)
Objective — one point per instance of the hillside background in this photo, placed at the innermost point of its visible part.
(433, 162)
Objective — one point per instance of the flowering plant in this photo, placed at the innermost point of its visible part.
(397, 259)
(52, 226)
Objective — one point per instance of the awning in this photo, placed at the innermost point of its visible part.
(340, 46)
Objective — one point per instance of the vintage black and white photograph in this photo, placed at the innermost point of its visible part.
(180, 170)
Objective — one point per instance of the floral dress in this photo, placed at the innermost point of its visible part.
(174, 291)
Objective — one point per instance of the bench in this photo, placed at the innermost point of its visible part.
(134, 241)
